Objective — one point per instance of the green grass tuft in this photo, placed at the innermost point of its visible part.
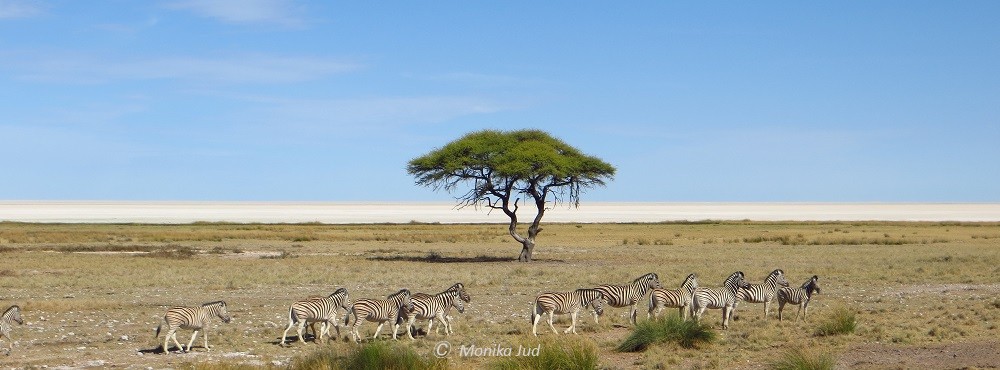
(842, 321)
(799, 359)
(671, 328)
(561, 354)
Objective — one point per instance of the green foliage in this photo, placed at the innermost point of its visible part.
(375, 356)
(842, 321)
(799, 359)
(671, 328)
(508, 162)
(561, 354)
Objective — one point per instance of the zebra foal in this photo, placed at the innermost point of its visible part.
(380, 311)
(428, 307)
(764, 293)
(724, 298)
(680, 298)
(193, 318)
(798, 296)
(563, 303)
(629, 295)
(313, 310)
(10, 316)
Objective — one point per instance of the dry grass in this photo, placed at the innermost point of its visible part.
(95, 292)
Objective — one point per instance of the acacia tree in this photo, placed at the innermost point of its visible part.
(504, 167)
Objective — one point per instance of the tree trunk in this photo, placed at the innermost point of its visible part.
(528, 246)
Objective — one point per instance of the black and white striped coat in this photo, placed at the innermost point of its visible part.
(10, 317)
(381, 310)
(765, 292)
(798, 296)
(631, 294)
(313, 310)
(723, 298)
(428, 307)
(560, 303)
(191, 318)
(679, 298)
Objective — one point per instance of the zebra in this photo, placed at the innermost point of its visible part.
(724, 298)
(428, 307)
(379, 310)
(763, 293)
(629, 295)
(10, 316)
(800, 296)
(312, 310)
(563, 303)
(680, 298)
(195, 318)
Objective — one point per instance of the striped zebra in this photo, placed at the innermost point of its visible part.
(428, 307)
(680, 298)
(10, 316)
(764, 293)
(629, 295)
(563, 303)
(724, 298)
(798, 296)
(194, 318)
(379, 310)
(313, 310)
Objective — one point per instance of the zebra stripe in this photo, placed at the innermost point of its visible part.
(191, 318)
(428, 307)
(724, 298)
(798, 296)
(313, 310)
(680, 298)
(10, 316)
(629, 295)
(764, 293)
(379, 310)
(563, 303)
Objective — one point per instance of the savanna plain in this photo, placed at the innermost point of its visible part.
(922, 295)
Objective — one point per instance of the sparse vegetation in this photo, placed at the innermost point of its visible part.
(686, 333)
(565, 354)
(801, 359)
(840, 321)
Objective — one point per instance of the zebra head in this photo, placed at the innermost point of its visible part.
(778, 277)
(341, 294)
(218, 308)
(460, 288)
(14, 314)
(735, 282)
(812, 285)
(650, 281)
(690, 283)
(402, 299)
(598, 305)
(458, 305)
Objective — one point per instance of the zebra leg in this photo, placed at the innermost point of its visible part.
(633, 314)
(354, 330)
(781, 306)
(285, 334)
(766, 305)
(409, 325)
(193, 336)
(534, 323)
(726, 312)
(552, 316)
(572, 325)
(173, 334)
(205, 335)
(378, 329)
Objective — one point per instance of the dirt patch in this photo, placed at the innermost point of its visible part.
(982, 355)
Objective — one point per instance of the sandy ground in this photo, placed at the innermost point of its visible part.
(348, 213)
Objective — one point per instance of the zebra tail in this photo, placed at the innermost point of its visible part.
(347, 316)
(534, 312)
(158, 330)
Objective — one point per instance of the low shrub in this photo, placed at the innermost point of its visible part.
(671, 328)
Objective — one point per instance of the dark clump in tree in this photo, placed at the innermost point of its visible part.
(504, 167)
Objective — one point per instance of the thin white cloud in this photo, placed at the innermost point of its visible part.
(283, 12)
(20, 9)
(242, 69)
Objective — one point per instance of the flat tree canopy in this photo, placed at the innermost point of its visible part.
(504, 167)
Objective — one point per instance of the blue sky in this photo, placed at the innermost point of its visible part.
(887, 101)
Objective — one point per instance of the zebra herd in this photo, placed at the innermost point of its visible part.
(400, 307)
(690, 299)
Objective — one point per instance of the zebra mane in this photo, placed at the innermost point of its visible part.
(223, 303)
(649, 276)
(338, 291)
(691, 278)
(403, 291)
(11, 308)
(457, 286)
(732, 279)
(811, 284)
